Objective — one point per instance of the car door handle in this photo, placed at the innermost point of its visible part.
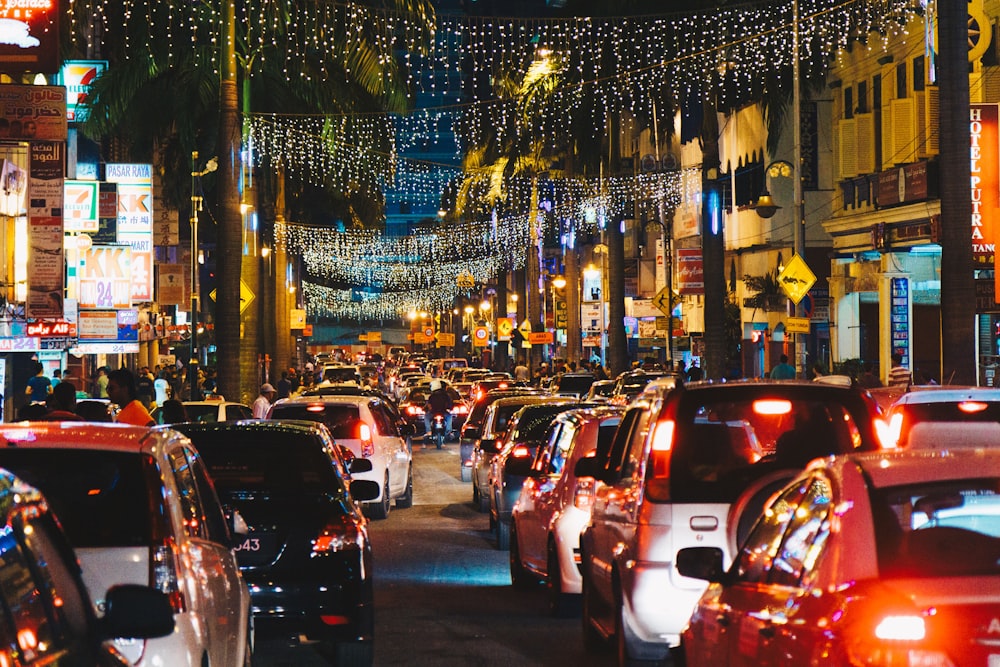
(767, 631)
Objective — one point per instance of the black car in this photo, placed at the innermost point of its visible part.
(473, 423)
(307, 557)
(45, 610)
(526, 431)
(413, 400)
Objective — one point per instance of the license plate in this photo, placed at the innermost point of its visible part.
(257, 548)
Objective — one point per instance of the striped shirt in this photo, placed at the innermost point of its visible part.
(899, 376)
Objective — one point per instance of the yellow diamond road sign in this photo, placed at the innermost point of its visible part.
(796, 279)
(246, 296)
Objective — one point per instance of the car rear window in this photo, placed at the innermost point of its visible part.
(533, 424)
(938, 529)
(575, 384)
(718, 439)
(202, 413)
(269, 460)
(342, 420)
(102, 498)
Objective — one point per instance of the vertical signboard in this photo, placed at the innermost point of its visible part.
(135, 222)
(899, 318)
(985, 184)
(77, 76)
(80, 206)
(690, 273)
(105, 277)
(46, 260)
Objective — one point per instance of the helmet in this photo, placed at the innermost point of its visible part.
(435, 385)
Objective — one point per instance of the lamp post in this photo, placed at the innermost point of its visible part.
(196, 202)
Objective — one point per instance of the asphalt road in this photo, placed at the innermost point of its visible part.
(442, 589)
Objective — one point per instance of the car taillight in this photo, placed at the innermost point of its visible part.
(411, 410)
(365, 435)
(520, 452)
(462, 409)
(663, 442)
(888, 437)
(895, 638)
(901, 628)
(583, 493)
(163, 563)
(336, 538)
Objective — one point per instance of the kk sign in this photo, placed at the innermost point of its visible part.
(105, 277)
(135, 221)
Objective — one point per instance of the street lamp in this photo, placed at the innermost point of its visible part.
(196, 202)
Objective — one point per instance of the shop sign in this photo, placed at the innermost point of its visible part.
(105, 348)
(51, 329)
(985, 180)
(690, 271)
(77, 76)
(902, 186)
(21, 344)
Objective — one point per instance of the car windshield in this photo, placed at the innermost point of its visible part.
(266, 459)
(717, 437)
(340, 374)
(575, 384)
(342, 420)
(534, 422)
(938, 529)
(102, 498)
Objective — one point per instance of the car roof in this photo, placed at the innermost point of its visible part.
(889, 468)
(339, 399)
(947, 394)
(530, 399)
(215, 403)
(83, 435)
(283, 425)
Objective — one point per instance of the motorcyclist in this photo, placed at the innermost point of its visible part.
(439, 402)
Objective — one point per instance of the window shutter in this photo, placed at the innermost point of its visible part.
(904, 131)
(865, 143)
(927, 121)
(848, 148)
(888, 95)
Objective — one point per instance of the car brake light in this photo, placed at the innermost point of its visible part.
(163, 564)
(335, 538)
(502, 385)
(411, 410)
(901, 628)
(365, 435)
(972, 407)
(520, 452)
(583, 494)
(462, 409)
(888, 437)
(772, 406)
(663, 436)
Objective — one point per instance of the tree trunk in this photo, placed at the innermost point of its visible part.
(617, 355)
(712, 249)
(230, 238)
(958, 299)
(533, 275)
(521, 289)
(574, 338)
(283, 339)
(501, 353)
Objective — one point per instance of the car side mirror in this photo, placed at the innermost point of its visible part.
(237, 524)
(588, 467)
(132, 611)
(360, 465)
(703, 563)
(364, 489)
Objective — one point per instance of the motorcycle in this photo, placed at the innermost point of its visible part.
(438, 430)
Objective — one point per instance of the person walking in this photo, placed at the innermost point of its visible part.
(102, 382)
(263, 402)
(122, 391)
(899, 375)
(783, 370)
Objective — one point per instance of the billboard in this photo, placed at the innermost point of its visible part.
(29, 36)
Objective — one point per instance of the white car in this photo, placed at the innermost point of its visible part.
(554, 506)
(366, 425)
(967, 405)
(138, 507)
(210, 411)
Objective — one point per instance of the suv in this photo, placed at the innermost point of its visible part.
(940, 404)
(692, 466)
(367, 426)
(472, 428)
(139, 507)
(306, 556)
(45, 609)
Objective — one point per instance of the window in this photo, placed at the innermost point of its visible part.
(194, 523)
(848, 102)
(862, 104)
(620, 442)
(808, 529)
(215, 519)
(384, 424)
(563, 446)
(632, 460)
(918, 73)
(764, 540)
(901, 81)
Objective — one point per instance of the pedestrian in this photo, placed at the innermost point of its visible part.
(783, 370)
(284, 386)
(56, 377)
(868, 379)
(102, 382)
(173, 412)
(144, 387)
(263, 402)
(899, 375)
(122, 392)
(521, 372)
(161, 388)
(39, 387)
(694, 372)
(62, 403)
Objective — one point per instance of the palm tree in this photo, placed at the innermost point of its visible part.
(157, 93)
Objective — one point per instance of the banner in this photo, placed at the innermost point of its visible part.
(32, 112)
(105, 277)
(690, 275)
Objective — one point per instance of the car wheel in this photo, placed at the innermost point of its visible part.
(484, 501)
(592, 639)
(406, 500)
(622, 637)
(380, 510)
(519, 577)
(466, 474)
(503, 534)
(561, 605)
(354, 654)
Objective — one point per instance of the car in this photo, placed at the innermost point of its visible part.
(472, 428)
(490, 441)
(411, 406)
(692, 465)
(888, 558)
(306, 556)
(210, 411)
(45, 608)
(481, 386)
(528, 429)
(340, 373)
(572, 384)
(629, 384)
(600, 391)
(940, 404)
(367, 426)
(438, 367)
(139, 507)
(554, 506)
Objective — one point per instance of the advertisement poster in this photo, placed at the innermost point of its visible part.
(170, 285)
(29, 36)
(690, 274)
(32, 112)
(77, 76)
(47, 165)
(45, 268)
